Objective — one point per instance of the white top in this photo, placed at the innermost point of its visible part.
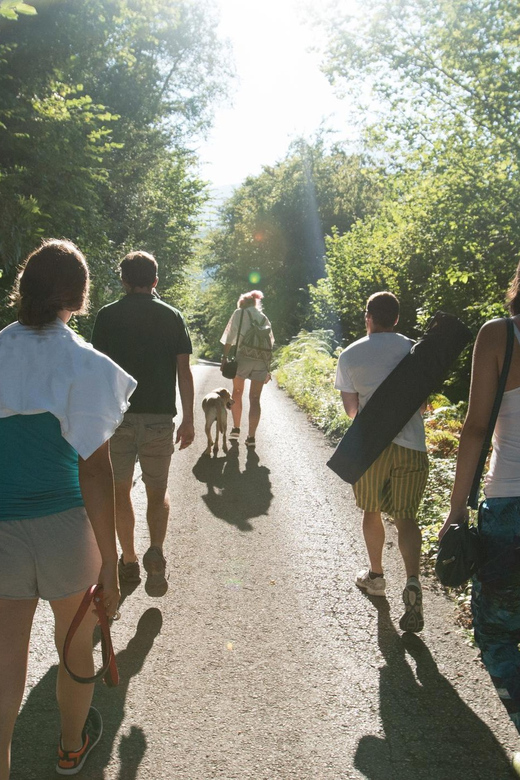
(503, 477)
(52, 369)
(231, 330)
(362, 367)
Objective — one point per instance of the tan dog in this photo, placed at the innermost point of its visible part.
(215, 406)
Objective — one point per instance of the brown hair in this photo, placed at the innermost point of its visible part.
(383, 307)
(53, 277)
(138, 269)
(513, 294)
(253, 298)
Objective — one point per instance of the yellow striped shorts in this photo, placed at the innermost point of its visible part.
(394, 483)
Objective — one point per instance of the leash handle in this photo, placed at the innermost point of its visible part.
(108, 671)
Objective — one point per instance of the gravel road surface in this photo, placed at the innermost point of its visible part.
(263, 661)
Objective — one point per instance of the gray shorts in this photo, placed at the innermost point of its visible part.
(149, 438)
(49, 557)
(248, 368)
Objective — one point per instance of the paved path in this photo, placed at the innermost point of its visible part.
(263, 661)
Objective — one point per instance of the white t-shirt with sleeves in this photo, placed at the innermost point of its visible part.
(363, 365)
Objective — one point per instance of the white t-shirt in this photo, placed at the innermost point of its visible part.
(362, 367)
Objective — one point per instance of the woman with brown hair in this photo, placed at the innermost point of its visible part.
(495, 597)
(60, 401)
(251, 364)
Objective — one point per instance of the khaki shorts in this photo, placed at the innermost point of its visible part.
(147, 437)
(394, 483)
(48, 557)
(248, 368)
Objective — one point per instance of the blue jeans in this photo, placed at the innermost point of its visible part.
(495, 600)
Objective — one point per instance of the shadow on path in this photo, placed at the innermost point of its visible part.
(235, 496)
(430, 733)
(36, 733)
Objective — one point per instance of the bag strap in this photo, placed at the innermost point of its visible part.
(238, 336)
(475, 487)
(108, 672)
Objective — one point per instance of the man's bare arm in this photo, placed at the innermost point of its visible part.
(186, 431)
(350, 403)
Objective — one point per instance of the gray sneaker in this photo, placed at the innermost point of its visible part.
(413, 619)
(372, 586)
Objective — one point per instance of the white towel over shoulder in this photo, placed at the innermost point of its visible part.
(52, 369)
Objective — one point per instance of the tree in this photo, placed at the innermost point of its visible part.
(273, 232)
(94, 127)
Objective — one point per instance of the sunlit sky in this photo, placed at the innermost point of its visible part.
(279, 92)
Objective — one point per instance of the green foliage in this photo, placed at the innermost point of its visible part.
(447, 233)
(274, 227)
(306, 368)
(10, 9)
(99, 100)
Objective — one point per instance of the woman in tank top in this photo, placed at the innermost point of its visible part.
(60, 401)
(495, 601)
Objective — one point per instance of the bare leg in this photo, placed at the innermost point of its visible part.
(236, 409)
(125, 520)
(374, 533)
(16, 618)
(157, 513)
(410, 539)
(74, 699)
(255, 392)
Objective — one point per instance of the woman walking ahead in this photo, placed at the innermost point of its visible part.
(496, 601)
(253, 363)
(60, 401)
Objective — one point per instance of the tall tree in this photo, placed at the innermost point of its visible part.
(273, 231)
(98, 102)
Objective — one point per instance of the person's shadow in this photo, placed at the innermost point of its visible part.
(430, 733)
(35, 742)
(235, 496)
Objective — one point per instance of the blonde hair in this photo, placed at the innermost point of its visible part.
(252, 298)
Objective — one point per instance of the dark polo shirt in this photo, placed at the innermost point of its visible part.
(144, 335)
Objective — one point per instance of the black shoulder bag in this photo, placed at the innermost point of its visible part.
(229, 369)
(460, 552)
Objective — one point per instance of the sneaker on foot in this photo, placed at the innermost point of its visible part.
(235, 433)
(413, 619)
(128, 572)
(250, 441)
(373, 586)
(70, 762)
(154, 563)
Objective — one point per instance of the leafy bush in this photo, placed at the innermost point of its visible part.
(306, 369)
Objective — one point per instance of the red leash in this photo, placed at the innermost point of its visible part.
(108, 671)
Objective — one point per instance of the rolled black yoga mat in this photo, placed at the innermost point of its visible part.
(400, 395)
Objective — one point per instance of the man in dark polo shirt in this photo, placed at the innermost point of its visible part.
(149, 339)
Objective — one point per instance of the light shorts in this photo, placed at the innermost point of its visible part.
(248, 368)
(48, 557)
(148, 437)
(394, 483)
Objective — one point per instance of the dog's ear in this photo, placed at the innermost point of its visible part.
(222, 392)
